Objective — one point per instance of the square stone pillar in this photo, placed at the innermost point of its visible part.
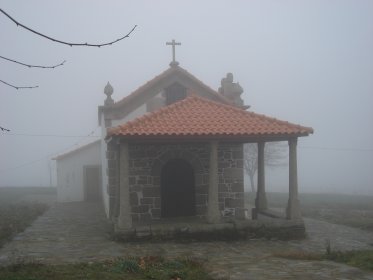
(124, 219)
(213, 214)
(261, 198)
(293, 210)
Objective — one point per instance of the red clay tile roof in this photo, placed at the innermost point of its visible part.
(165, 74)
(196, 117)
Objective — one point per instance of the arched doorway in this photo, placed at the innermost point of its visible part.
(177, 189)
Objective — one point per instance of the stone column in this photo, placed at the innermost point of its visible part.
(213, 214)
(293, 210)
(125, 219)
(261, 199)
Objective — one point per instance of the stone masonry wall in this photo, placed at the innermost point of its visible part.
(231, 182)
(145, 165)
(112, 188)
(146, 162)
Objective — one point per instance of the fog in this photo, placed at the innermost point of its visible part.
(307, 62)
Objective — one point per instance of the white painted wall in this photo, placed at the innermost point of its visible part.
(131, 116)
(70, 186)
(105, 195)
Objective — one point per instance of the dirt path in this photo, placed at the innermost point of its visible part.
(74, 232)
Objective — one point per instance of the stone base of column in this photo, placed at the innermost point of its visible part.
(261, 201)
(293, 210)
(124, 223)
(213, 215)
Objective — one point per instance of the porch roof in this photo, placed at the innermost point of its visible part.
(199, 118)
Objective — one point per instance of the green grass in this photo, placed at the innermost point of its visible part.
(359, 258)
(350, 210)
(15, 218)
(129, 269)
(10, 195)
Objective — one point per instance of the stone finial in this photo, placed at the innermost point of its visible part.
(108, 90)
(230, 90)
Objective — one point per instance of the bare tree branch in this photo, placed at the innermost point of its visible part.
(4, 129)
(33, 66)
(16, 87)
(274, 155)
(67, 43)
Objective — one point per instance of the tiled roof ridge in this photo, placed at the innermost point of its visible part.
(171, 108)
(177, 68)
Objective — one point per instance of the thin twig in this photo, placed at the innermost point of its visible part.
(67, 43)
(16, 86)
(4, 129)
(33, 66)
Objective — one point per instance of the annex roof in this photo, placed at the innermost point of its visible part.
(199, 118)
(76, 150)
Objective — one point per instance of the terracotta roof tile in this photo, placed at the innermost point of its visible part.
(198, 117)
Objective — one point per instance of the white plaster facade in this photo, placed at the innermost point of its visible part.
(70, 171)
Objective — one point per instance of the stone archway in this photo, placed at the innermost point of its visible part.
(177, 189)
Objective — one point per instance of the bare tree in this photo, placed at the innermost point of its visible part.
(274, 155)
(71, 44)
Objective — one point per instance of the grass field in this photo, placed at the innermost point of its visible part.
(129, 269)
(20, 206)
(351, 210)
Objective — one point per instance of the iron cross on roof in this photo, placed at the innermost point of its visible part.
(173, 44)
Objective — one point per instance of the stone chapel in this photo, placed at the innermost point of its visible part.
(172, 151)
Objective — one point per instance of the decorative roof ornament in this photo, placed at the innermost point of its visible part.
(232, 91)
(108, 90)
(173, 44)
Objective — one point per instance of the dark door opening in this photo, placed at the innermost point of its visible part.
(177, 189)
(92, 183)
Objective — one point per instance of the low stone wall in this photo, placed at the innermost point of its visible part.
(239, 230)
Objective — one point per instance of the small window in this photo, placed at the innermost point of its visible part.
(175, 93)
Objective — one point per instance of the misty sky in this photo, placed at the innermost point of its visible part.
(308, 62)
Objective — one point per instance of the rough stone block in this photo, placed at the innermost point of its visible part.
(237, 154)
(239, 195)
(111, 172)
(132, 180)
(135, 188)
(239, 163)
(156, 212)
(223, 188)
(240, 213)
(110, 155)
(223, 164)
(233, 173)
(151, 192)
(140, 209)
(142, 180)
(134, 200)
(146, 200)
(234, 203)
(237, 187)
(145, 218)
(112, 163)
(135, 218)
